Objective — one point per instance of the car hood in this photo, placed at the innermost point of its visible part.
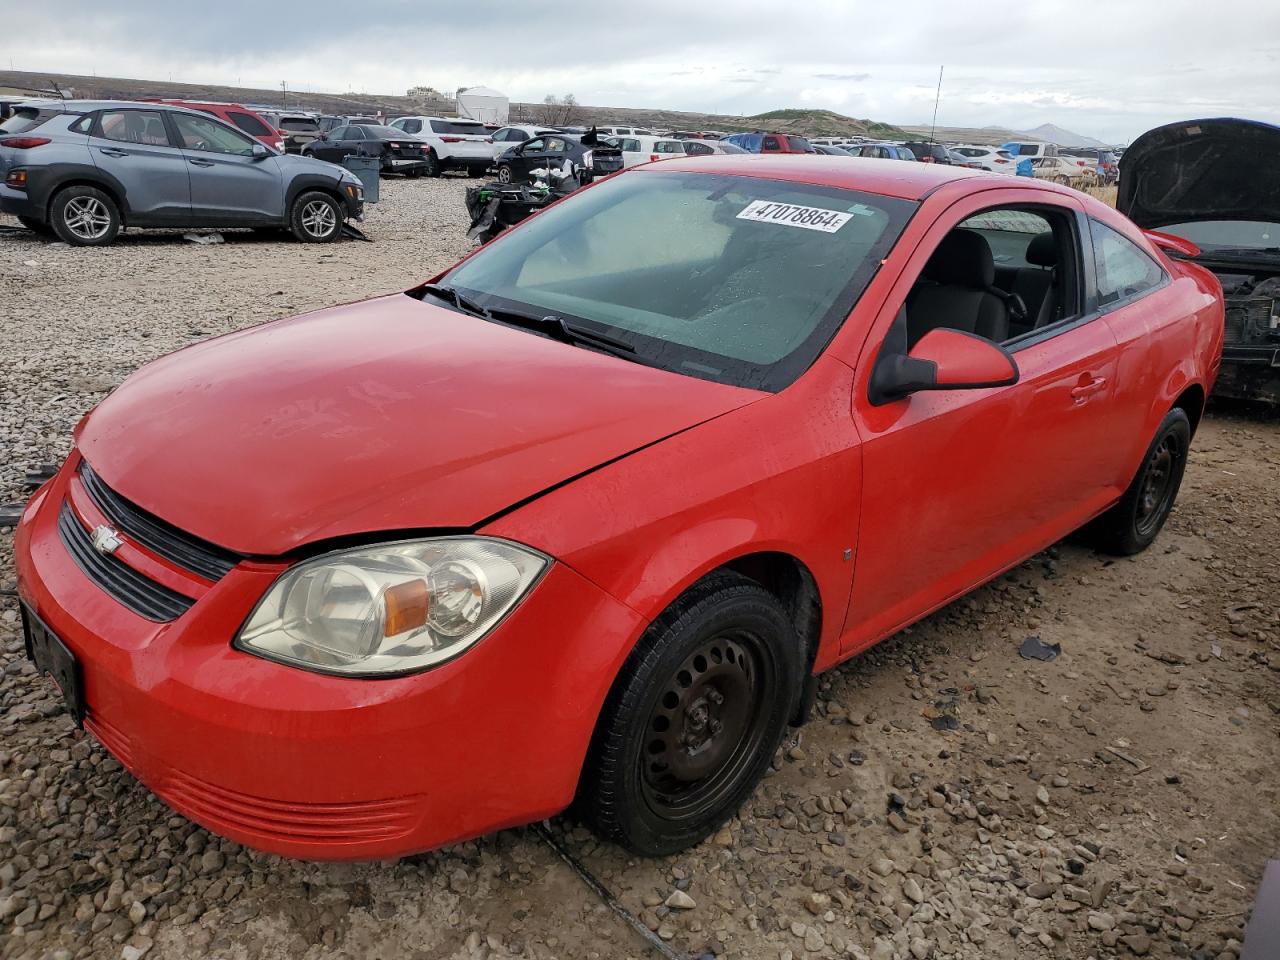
(292, 164)
(386, 415)
(1219, 169)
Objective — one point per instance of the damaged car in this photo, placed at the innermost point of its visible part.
(580, 520)
(1216, 185)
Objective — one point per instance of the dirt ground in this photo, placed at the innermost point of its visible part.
(1118, 801)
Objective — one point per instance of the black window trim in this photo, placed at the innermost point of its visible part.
(165, 115)
(1105, 308)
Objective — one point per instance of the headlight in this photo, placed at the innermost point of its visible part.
(391, 609)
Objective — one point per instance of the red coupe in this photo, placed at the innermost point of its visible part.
(582, 518)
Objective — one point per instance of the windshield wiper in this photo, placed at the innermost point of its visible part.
(461, 301)
(564, 330)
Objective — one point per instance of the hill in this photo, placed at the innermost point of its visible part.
(1052, 133)
(812, 122)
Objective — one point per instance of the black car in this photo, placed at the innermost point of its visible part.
(1216, 183)
(399, 152)
(928, 152)
(583, 157)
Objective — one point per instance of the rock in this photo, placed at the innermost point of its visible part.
(882, 950)
(817, 903)
(679, 900)
(882, 867)
(1039, 890)
(212, 861)
(813, 941)
(898, 823)
(911, 890)
(1044, 833)
(1138, 943)
(1101, 921)
(1042, 795)
(137, 912)
(921, 949)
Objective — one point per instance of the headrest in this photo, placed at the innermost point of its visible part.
(963, 259)
(1042, 251)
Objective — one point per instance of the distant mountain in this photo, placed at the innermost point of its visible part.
(1052, 133)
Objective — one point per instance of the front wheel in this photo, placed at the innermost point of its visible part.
(1133, 523)
(315, 218)
(693, 719)
(504, 173)
(85, 216)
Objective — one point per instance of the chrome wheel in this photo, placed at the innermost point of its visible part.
(504, 174)
(319, 219)
(87, 218)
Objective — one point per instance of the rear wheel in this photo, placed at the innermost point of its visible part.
(433, 164)
(1133, 523)
(693, 719)
(84, 216)
(36, 226)
(315, 218)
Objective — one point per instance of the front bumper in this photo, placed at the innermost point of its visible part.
(322, 767)
(1250, 372)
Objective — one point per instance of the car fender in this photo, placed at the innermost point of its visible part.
(310, 180)
(779, 475)
(62, 173)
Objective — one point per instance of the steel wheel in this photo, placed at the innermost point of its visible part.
(1156, 494)
(705, 727)
(87, 218)
(319, 219)
(504, 174)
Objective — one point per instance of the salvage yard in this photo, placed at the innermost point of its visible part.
(949, 798)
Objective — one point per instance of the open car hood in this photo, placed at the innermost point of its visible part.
(386, 415)
(1219, 169)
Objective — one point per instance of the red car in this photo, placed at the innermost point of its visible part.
(240, 117)
(584, 516)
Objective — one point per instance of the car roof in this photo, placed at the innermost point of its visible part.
(88, 106)
(889, 178)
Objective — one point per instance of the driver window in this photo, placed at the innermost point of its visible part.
(355, 133)
(532, 145)
(200, 133)
(1002, 274)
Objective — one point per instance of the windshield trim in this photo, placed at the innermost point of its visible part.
(702, 364)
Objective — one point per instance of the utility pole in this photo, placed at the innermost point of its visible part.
(934, 129)
(284, 93)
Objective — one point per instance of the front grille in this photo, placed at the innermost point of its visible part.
(144, 597)
(1248, 320)
(164, 540)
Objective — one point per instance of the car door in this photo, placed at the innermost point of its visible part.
(527, 156)
(333, 147)
(234, 179)
(134, 148)
(959, 485)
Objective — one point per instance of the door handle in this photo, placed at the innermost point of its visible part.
(1088, 388)
(201, 163)
(113, 152)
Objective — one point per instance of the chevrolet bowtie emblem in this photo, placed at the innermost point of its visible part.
(105, 540)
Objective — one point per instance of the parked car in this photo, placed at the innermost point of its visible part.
(926, 151)
(1061, 169)
(561, 151)
(1030, 148)
(327, 122)
(297, 129)
(770, 143)
(334, 587)
(85, 169)
(1102, 163)
(993, 159)
(832, 151)
(1213, 184)
(702, 148)
(883, 151)
(617, 131)
(506, 137)
(649, 149)
(239, 116)
(397, 151)
(456, 143)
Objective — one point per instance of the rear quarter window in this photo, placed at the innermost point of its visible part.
(26, 118)
(249, 124)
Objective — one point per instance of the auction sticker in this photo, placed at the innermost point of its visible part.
(794, 215)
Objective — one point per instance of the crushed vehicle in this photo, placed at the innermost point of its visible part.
(581, 520)
(1216, 184)
(83, 170)
(584, 157)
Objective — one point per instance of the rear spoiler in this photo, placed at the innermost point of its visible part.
(1171, 244)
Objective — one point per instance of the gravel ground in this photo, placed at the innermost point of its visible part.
(950, 800)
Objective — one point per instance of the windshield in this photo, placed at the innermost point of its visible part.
(1228, 234)
(299, 125)
(734, 279)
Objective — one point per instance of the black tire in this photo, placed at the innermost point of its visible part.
(84, 216)
(433, 164)
(309, 221)
(504, 173)
(1133, 523)
(693, 718)
(36, 226)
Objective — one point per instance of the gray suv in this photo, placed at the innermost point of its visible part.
(84, 169)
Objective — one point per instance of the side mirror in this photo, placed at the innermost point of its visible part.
(260, 152)
(944, 359)
(323, 136)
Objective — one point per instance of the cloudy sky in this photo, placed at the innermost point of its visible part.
(1010, 63)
